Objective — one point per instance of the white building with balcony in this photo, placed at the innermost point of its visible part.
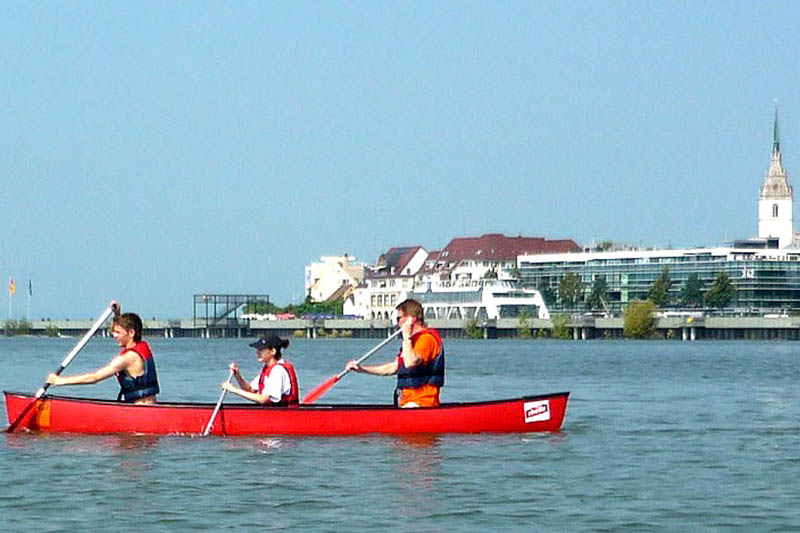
(331, 276)
(385, 283)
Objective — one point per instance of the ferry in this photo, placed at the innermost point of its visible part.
(483, 299)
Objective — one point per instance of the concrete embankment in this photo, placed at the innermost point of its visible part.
(579, 328)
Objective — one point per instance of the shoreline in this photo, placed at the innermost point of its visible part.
(576, 328)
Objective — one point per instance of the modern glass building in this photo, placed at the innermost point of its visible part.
(765, 280)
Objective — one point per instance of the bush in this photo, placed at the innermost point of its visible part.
(473, 329)
(17, 327)
(560, 329)
(639, 320)
(524, 329)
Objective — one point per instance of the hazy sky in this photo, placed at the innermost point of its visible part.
(154, 150)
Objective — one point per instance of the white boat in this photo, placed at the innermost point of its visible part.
(478, 298)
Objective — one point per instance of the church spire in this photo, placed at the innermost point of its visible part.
(776, 197)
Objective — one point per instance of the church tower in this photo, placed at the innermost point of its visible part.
(776, 198)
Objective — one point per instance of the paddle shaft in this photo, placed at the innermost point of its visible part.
(67, 360)
(326, 385)
(216, 409)
(369, 354)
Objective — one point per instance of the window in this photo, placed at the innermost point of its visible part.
(774, 210)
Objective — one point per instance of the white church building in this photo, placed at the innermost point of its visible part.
(776, 198)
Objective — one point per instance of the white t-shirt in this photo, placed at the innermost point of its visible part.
(276, 384)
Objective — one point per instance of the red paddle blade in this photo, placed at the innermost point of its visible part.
(22, 416)
(315, 393)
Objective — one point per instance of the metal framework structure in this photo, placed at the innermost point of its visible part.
(222, 309)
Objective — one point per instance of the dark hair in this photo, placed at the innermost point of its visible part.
(284, 343)
(413, 308)
(129, 321)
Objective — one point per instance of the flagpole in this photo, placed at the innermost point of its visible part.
(30, 291)
(11, 289)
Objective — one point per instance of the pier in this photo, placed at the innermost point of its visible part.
(579, 328)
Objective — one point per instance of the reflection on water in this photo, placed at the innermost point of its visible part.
(417, 461)
(84, 444)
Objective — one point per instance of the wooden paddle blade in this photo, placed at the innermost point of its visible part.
(318, 391)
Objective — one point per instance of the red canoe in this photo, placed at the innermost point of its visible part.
(82, 415)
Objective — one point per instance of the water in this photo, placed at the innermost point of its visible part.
(658, 436)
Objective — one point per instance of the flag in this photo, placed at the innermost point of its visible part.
(30, 288)
(12, 288)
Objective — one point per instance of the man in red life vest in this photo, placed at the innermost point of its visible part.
(134, 366)
(419, 364)
(276, 384)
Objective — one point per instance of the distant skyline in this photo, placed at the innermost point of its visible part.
(153, 151)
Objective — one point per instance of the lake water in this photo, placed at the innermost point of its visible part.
(658, 436)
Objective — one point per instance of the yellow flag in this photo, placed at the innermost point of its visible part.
(12, 288)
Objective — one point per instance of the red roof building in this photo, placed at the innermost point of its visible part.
(474, 256)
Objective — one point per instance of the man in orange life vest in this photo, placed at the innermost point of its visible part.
(420, 363)
(276, 384)
(134, 366)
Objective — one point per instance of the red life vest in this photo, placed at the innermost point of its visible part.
(293, 397)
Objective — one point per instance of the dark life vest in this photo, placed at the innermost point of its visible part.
(293, 398)
(430, 373)
(132, 389)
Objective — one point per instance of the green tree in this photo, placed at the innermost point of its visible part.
(560, 329)
(524, 327)
(262, 308)
(721, 293)
(659, 290)
(569, 289)
(17, 327)
(310, 306)
(490, 274)
(598, 293)
(639, 319)
(473, 329)
(692, 292)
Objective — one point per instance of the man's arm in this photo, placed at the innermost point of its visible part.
(386, 369)
(252, 396)
(116, 365)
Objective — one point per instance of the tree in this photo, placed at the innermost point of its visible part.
(560, 329)
(309, 306)
(262, 308)
(692, 292)
(639, 319)
(473, 329)
(721, 293)
(524, 327)
(569, 288)
(598, 293)
(659, 290)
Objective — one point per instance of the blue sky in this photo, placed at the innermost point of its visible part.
(154, 150)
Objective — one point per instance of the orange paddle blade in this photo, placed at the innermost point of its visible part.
(315, 393)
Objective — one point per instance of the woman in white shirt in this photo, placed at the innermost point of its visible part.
(276, 384)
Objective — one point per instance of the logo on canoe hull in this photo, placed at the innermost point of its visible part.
(536, 411)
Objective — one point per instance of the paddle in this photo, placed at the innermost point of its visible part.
(317, 392)
(216, 409)
(67, 360)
